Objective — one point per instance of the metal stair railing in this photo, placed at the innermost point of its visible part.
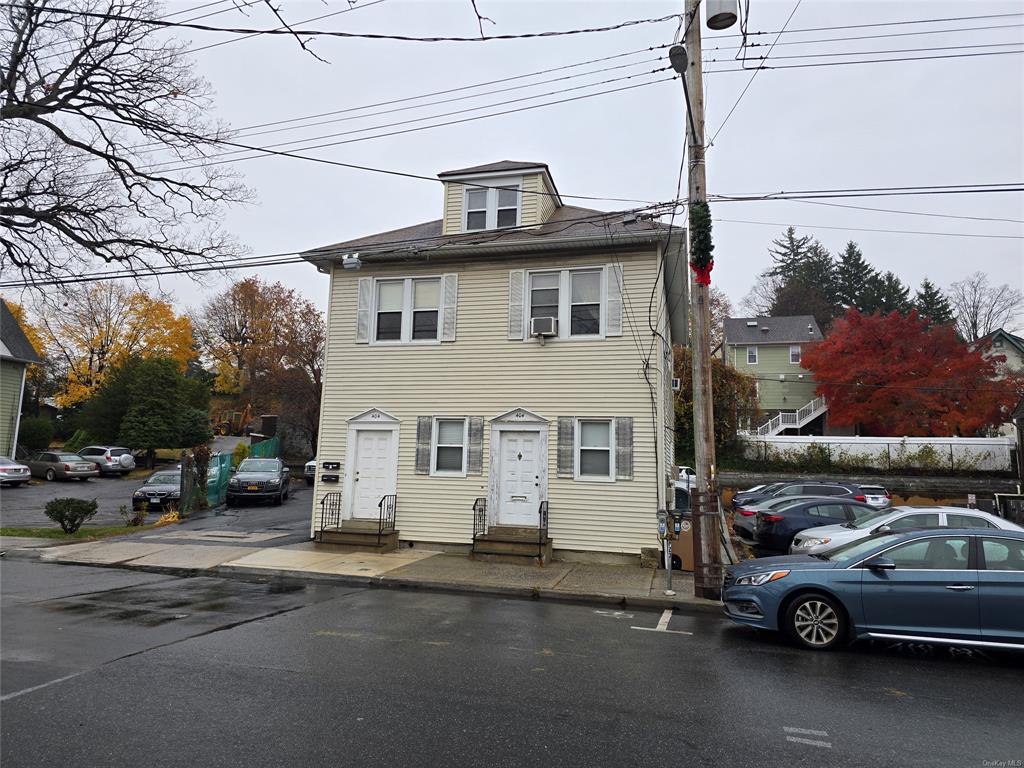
(386, 518)
(330, 513)
(793, 419)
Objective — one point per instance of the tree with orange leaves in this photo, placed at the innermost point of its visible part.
(896, 376)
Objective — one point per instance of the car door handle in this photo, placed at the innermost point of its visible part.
(959, 587)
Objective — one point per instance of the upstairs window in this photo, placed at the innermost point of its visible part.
(544, 294)
(585, 303)
(751, 355)
(407, 310)
(794, 354)
(572, 296)
(494, 204)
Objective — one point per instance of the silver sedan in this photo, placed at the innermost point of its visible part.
(59, 465)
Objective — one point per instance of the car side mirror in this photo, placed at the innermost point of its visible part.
(882, 529)
(233, 470)
(880, 563)
(286, 470)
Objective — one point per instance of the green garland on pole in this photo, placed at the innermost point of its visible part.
(701, 246)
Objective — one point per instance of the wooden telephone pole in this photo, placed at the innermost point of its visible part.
(707, 569)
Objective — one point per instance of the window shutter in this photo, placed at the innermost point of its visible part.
(624, 448)
(475, 459)
(566, 447)
(613, 300)
(363, 310)
(516, 279)
(424, 426)
(450, 299)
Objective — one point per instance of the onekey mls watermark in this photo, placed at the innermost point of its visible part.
(1018, 763)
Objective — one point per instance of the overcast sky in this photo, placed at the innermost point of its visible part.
(951, 121)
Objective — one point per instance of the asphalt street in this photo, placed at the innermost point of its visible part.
(107, 667)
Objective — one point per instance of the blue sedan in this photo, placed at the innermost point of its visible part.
(951, 586)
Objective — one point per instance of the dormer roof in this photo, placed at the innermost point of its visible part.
(502, 166)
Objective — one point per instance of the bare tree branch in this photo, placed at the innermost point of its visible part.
(981, 308)
(78, 95)
(301, 42)
(480, 19)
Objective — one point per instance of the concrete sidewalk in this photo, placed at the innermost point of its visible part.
(406, 569)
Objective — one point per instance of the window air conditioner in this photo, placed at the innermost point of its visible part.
(543, 326)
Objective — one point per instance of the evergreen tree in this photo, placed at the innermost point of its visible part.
(893, 295)
(932, 304)
(854, 279)
(153, 417)
(789, 253)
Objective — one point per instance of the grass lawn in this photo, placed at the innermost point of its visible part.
(82, 534)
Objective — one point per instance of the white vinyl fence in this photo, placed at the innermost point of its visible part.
(886, 453)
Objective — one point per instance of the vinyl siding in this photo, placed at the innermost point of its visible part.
(774, 394)
(531, 205)
(452, 220)
(546, 202)
(10, 403)
(533, 209)
(483, 373)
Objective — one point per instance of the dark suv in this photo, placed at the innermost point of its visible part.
(259, 480)
(775, 528)
(874, 495)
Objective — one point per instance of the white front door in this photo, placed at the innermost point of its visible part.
(519, 478)
(374, 471)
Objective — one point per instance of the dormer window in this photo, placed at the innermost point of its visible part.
(492, 204)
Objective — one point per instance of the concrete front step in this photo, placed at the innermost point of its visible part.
(512, 549)
(363, 539)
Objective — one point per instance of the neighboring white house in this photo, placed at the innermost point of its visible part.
(489, 366)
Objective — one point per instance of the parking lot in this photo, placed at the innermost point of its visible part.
(22, 506)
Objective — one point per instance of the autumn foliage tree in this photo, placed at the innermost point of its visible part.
(103, 324)
(894, 375)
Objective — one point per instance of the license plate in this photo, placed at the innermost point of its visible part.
(83, 467)
(252, 488)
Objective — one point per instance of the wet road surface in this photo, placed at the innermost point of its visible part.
(106, 667)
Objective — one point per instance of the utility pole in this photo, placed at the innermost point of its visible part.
(707, 561)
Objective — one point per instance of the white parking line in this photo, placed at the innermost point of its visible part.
(807, 732)
(663, 625)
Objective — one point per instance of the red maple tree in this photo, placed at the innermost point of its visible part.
(895, 376)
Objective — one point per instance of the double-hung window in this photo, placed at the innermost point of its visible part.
(571, 296)
(595, 457)
(449, 447)
(794, 354)
(407, 309)
(493, 205)
(751, 355)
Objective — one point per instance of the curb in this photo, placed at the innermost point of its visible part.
(408, 585)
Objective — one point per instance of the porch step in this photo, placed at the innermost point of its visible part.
(500, 547)
(512, 531)
(361, 538)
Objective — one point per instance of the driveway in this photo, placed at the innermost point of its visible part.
(22, 507)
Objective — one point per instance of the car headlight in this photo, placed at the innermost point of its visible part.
(757, 579)
(139, 494)
(814, 542)
(174, 494)
(272, 483)
(233, 481)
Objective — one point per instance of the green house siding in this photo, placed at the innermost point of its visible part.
(10, 403)
(775, 394)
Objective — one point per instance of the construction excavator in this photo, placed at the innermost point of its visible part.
(233, 422)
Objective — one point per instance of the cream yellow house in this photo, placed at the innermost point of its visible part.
(492, 379)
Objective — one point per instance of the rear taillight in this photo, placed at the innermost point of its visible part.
(888, 495)
(745, 512)
(67, 467)
(772, 518)
(108, 457)
(860, 498)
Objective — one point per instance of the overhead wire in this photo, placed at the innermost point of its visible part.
(875, 53)
(867, 61)
(862, 229)
(902, 22)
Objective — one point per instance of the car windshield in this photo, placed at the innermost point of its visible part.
(856, 549)
(69, 457)
(164, 478)
(867, 518)
(7, 462)
(258, 465)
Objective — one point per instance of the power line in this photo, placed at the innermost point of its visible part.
(875, 53)
(905, 387)
(877, 192)
(876, 24)
(292, 31)
(751, 80)
(908, 213)
(860, 229)
(883, 36)
(867, 61)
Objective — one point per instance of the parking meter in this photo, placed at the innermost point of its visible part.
(663, 524)
(677, 522)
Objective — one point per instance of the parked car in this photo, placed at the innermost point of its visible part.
(775, 529)
(811, 542)
(12, 473)
(752, 495)
(58, 465)
(110, 459)
(259, 480)
(878, 494)
(309, 471)
(161, 492)
(947, 586)
(688, 477)
(745, 517)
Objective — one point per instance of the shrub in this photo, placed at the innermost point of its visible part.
(239, 454)
(35, 433)
(69, 514)
(132, 518)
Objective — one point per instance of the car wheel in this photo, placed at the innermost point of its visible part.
(51, 475)
(816, 622)
(279, 499)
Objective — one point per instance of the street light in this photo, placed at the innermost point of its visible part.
(721, 13)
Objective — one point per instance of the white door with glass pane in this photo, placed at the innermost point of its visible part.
(374, 471)
(519, 477)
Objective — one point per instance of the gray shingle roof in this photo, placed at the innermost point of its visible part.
(501, 165)
(771, 330)
(569, 221)
(15, 342)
